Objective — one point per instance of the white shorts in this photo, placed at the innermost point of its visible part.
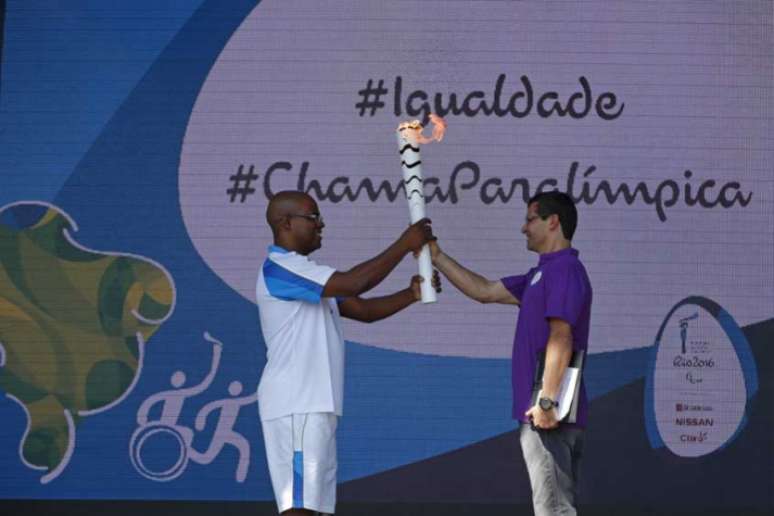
(301, 453)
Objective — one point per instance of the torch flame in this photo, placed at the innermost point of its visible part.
(413, 130)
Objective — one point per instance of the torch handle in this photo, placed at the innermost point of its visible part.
(426, 271)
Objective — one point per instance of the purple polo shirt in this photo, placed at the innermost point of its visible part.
(558, 287)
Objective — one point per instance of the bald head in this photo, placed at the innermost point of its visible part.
(283, 204)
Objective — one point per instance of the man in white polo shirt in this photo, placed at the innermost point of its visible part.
(301, 389)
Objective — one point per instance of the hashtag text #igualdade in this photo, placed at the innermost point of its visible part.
(499, 102)
(467, 179)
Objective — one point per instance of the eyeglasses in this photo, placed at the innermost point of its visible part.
(314, 217)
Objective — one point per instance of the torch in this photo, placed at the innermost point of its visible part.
(409, 138)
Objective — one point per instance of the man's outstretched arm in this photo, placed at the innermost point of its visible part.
(368, 274)
(470, 283)
(377, 308)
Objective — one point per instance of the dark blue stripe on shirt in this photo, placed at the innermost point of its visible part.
(288, 286)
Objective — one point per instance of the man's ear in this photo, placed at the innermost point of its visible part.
(553, 222)
(285, 222)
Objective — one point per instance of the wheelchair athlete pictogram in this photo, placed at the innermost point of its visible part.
(168, 425)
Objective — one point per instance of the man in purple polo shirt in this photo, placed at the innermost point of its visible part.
(555, 308)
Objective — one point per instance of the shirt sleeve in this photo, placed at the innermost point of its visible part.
(296, 278)
(515, 285)
(565, 293)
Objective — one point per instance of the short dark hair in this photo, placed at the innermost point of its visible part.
(557, 203)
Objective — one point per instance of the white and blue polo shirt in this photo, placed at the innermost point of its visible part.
(305, 348)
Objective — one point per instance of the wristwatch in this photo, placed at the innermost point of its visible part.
(547, 404)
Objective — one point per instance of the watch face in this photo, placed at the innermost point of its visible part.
(546, 403)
